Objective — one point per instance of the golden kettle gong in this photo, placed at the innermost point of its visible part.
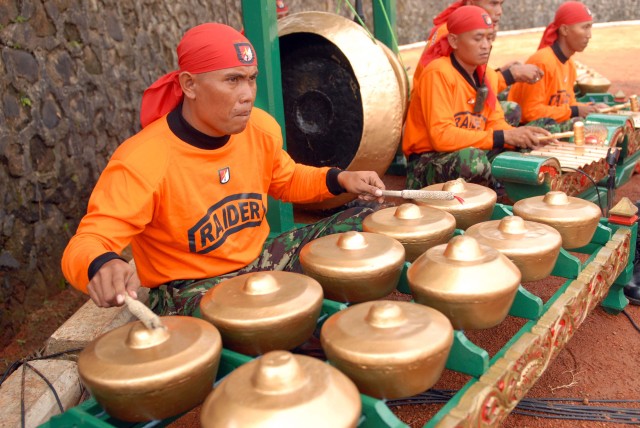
(533, 247)
(354, 266)
(281, 389)
(575, 218)
(474, 285)
(140, 374)
(390, 349)
(477, 207)
(264, 311)
(417, 228)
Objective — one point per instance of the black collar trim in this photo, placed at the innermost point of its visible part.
(473, 82)
(190, 135)
(555, 47)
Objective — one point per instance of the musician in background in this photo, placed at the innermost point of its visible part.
(455, 126)
(507, 74)
(552, 100)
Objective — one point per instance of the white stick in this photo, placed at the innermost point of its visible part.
(419, 194)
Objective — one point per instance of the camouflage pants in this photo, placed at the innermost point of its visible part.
(471, 164)
(182, 297)
(512, 112)
(553, 126)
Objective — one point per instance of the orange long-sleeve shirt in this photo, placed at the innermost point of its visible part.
(189, 212)
(553, 96)
(441, 118)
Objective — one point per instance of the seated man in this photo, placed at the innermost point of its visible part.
(553, 96)
(507, 74)
(455, 125)
(189, 191)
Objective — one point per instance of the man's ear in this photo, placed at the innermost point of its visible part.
(563, 30)
(453, 40)
(187, 83)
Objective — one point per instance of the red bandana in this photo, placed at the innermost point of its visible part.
(569, 13)
(207, 47)
(462, 20)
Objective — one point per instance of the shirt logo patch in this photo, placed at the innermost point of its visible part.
(224, 219)
(468, 120)
(244, 52)
(225, 175)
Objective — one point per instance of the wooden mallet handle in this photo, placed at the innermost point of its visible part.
(614, 108)
(556, 136)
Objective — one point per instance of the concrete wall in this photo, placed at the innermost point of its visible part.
(71, 76)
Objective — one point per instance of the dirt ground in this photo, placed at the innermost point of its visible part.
(602, 359)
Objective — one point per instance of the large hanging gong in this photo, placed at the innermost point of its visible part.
(342, 99)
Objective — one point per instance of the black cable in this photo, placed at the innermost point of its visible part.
(25, 363)
(49, 384)
(14, 366)
(626, 314)
(549, 408)
(595, 185)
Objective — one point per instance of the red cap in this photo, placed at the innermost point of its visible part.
(569, 13)
(204, 48)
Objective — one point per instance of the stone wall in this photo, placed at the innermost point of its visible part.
(71, 76)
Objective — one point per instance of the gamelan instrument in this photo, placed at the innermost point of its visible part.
(533, 247)
(474, 285)
(571, 167)
(281, 389)
(344, 95)
(416, 227)
(151, 369)
(390, 349)
(575, 218)
(477, 207)
(263, 311)
(354, 266)
(628, 121)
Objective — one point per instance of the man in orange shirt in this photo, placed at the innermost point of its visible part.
(507, 74)
(455, 125)
(189, 191)
(552, 99)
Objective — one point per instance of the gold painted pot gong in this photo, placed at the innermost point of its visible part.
(354, 266)
(281, 389)
(575, 218)
(389, 349)
(472, 284)
(342, 98)
(478, 205)
(138, 374)
(264, 311)
(591, 82)
(417, 228)
(533, 247)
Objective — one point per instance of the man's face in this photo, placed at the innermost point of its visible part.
(577, 35)
(473, 47)
(221, 101)
(493, 8)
